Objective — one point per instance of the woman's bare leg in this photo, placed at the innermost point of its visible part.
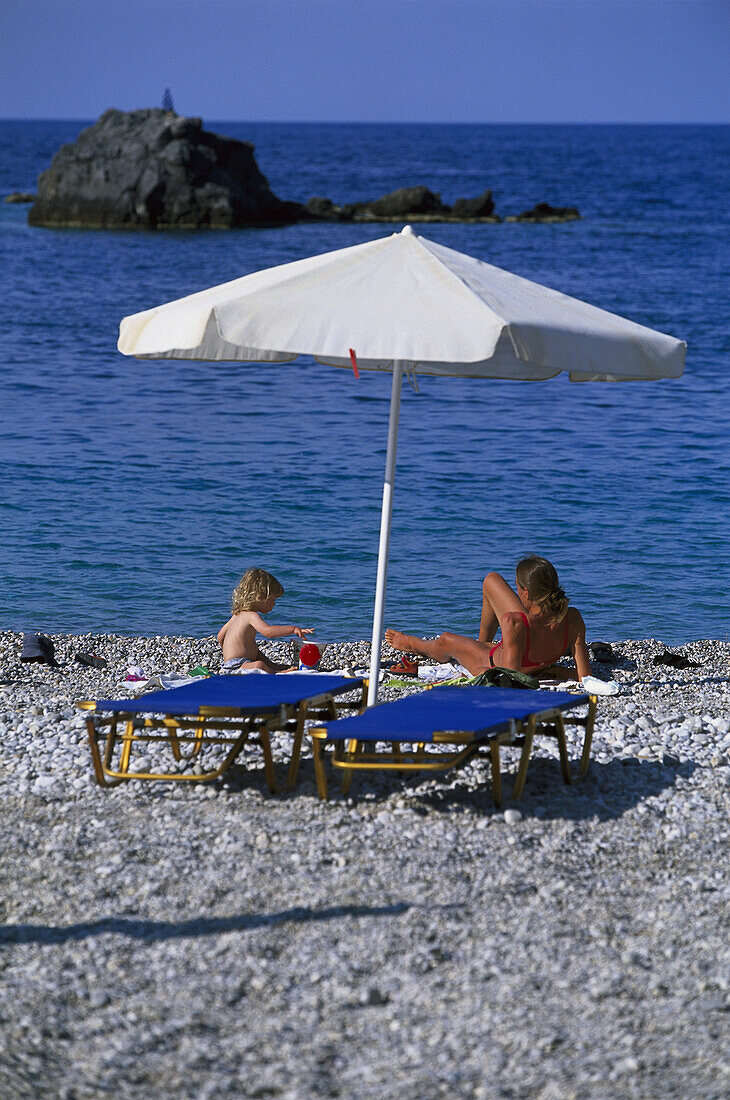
(497, 599)
(265, 665)
(474, 656)
(409, 643)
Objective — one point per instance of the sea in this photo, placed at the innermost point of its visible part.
(134, 494)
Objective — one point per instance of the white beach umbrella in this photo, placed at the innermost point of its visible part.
(399, 303)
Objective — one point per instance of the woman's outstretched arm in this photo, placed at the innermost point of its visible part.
(578, 647)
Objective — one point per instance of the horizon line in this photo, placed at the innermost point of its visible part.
(377, 122)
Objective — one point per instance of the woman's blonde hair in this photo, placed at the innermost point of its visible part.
(255, 586)
(540, 578)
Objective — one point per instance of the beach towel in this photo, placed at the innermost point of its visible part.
(434, 673)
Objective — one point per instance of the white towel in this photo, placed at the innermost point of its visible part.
(594, 686)
(448, 671)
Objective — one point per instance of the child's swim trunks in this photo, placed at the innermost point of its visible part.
(235, 662)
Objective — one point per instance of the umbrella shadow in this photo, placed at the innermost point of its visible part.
(151, 931)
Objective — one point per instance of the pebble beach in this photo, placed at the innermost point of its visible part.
(411, 940)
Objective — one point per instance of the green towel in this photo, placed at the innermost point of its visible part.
(505, 678)
(492, 677)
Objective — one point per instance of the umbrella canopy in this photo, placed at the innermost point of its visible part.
(402, 302)
(405, 298)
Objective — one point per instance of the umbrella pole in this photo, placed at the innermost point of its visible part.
(384, 546)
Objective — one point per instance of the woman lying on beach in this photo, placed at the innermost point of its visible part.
(538, 627)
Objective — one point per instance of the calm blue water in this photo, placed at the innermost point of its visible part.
(133, 494)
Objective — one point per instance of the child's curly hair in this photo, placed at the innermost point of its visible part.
(255, 586)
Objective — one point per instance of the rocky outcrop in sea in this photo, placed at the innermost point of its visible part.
(544, 212)
(413, 204)
(153, 169)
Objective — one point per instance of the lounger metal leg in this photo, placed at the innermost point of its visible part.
(296, 751)
(524, 759)
(93, 736)
(562, 748)
(319, 772)
(110, 744)
(127, 739)
(585, 757)
(120, 745)
(171, 727)
(496, 773)
(199, 737)
(302, 714)
(353, 747)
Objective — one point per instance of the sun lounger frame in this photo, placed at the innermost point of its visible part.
(349, 755)
(188, 735)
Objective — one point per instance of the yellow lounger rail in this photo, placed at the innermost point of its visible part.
(116, 737)
(351, 756)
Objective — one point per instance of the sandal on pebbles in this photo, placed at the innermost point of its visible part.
(405, 667)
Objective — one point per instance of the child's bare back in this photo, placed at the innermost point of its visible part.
(238, 637)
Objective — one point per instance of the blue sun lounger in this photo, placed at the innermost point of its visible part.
(469, 719)
(226, 711)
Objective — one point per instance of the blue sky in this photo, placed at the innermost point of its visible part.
(370, 60)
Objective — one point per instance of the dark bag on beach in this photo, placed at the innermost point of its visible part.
(38, 649)
(675, 660)
(505, 678)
